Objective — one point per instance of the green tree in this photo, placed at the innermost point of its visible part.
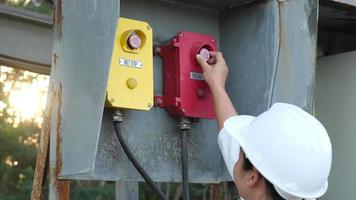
(18, 139)
(18, 160)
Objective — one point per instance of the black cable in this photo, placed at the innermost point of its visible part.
(184, 157)
(137, 165)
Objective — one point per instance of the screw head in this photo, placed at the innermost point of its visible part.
(148, 28)
(149, 105)
(111, 100)
(201, 93)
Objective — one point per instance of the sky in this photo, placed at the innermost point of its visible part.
(27, 95)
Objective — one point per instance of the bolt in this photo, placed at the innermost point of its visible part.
(158, 102)
(149, 105)
(213, 41)
(156, 50)
(184, 123)
(117, 116)
(181, 34)
(111, 100)
(201, 93)
(148, 28)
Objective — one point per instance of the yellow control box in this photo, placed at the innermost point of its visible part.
(130, 83)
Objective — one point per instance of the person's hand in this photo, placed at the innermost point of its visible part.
(214, 70)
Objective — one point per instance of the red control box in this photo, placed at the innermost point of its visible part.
(185, 91)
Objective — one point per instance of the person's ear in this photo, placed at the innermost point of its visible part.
(253, 177)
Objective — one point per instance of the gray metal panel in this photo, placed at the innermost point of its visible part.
(82, 53)
(294, 79)
(335, 99)
(250, 38)
(154, 136)
(271, 53)
(25, 40)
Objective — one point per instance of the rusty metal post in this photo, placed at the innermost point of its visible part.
(58, 189)
(42, 158)
(214, 191)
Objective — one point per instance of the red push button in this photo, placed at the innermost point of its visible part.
(201, 93)
(134, 41)
(204, 53)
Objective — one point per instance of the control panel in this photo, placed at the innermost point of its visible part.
(130, 83)
(185, 91)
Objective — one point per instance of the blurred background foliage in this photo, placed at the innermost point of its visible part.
(39, 6)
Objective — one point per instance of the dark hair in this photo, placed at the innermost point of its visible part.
(247, 165)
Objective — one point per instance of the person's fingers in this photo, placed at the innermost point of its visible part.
(211, 60)
(213, 53)
(202, 62)
(219, 56)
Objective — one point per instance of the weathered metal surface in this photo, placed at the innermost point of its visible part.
(251, 46)
(43, 154)
(295, 71)
(271, 54)
(214, 191)
(269, 47)
(26, 39)
(160, 138)
(84, 35)
(154, 136)
(58, 189)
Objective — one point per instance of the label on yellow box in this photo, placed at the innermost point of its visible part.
(130, 83)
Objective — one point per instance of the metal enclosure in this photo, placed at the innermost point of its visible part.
(270, 47)
(185, 93)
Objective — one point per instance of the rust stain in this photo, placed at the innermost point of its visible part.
(62, 187)
(214, 192)
(42, 155)
(58, 17)
(55, 58)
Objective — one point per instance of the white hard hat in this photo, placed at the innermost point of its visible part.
(287, 145)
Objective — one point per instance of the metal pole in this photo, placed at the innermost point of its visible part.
(184, 127)
(126, 190)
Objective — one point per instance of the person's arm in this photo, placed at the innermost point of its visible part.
(215, 73)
